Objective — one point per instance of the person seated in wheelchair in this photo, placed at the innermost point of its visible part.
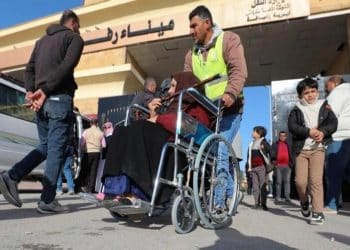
(144, 97)
(133, 155)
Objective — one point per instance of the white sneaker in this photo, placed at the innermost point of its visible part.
(328, 210)
(317, 218)
(59, 192)
(51, 208)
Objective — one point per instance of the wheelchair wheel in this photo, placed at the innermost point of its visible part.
(205, 182)
(183, 214)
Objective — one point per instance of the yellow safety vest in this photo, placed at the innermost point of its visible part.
(213, 65)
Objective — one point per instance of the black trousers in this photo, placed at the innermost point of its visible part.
(93, 160)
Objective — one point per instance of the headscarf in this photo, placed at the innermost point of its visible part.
(184, 79)
(108, 129)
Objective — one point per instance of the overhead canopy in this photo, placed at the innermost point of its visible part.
(274, 51)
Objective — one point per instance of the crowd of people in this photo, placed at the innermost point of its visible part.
(319, 129)
(319, 151)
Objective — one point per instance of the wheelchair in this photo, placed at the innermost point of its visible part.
(195, 186)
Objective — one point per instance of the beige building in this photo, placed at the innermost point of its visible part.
(127, 40)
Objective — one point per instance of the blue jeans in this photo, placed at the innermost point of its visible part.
(67, 170)
(53, 122)
(229, 126)
(282, 176)
(338, 160)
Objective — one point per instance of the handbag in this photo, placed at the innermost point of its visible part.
(269, 166)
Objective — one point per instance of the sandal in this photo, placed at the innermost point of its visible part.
(125, 201)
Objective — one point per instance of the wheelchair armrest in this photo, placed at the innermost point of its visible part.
(203, 100)
(137, 107)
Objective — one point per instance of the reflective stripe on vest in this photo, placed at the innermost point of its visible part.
(214, 64)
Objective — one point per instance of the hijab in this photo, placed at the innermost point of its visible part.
(184, 80)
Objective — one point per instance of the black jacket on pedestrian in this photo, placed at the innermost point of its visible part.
(327, 123)
(53, 60)
(265, 148)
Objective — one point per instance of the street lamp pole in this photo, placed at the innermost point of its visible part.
(270, 111)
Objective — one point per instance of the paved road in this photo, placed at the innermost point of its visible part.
(89, 227)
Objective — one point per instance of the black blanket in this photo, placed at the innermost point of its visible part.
(135, 151)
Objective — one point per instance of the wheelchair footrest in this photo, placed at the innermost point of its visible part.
(139, 207)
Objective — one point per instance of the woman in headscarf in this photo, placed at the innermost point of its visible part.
(134, 152)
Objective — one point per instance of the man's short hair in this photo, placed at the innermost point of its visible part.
(203, 12)
(337, 79)
(67, 15)
(308, 82)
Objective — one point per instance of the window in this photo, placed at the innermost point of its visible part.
(11, 101)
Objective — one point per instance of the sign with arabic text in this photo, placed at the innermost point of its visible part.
(249, 12)
(114, 35)
(268, 10)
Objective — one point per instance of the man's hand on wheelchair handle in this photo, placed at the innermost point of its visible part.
(227, 100)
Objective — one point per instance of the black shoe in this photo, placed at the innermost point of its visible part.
(317, 219)
(264, 207)
(305, 210)
(51, 208)
(8, 188)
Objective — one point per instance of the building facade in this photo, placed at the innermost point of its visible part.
(128, 40)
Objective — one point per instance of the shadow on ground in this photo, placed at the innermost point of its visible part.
(15, 213)
(155, 222)
(345, 239)
(282, 210)
(232, 239)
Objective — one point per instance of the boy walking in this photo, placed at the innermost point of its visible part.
(311, 122)
(258, 154)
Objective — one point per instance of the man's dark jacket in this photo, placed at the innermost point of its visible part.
(143, 98)
(327, 123)
(53, 60)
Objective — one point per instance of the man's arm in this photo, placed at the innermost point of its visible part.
(296, 129)
(335, 100)
(68, 64)
(29, 74)
(103, 142)
(274, 151)
(82, 139)
(233, 54)
(330, 124)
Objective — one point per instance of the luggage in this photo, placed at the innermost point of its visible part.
(122, 185)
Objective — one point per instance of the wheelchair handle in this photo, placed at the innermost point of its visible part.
(215, 77)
